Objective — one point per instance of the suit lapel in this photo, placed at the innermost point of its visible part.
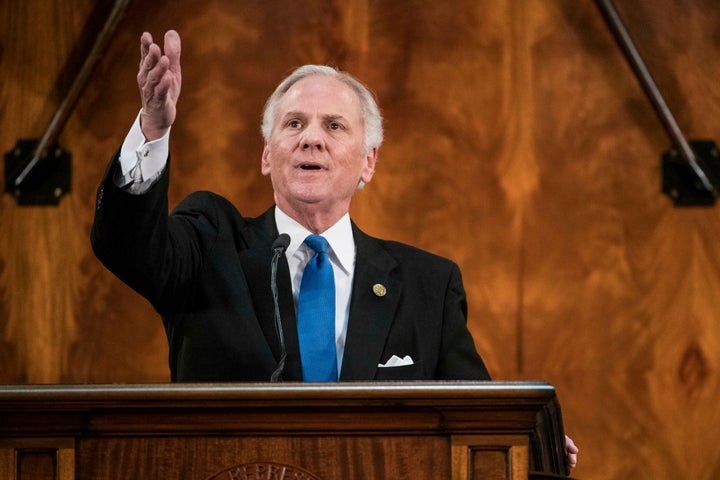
(371, 310)
(256, 262)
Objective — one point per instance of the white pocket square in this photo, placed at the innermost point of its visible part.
(396, 361)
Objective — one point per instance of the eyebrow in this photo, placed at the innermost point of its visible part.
(294, 114)
(331, 117)
(326, 117)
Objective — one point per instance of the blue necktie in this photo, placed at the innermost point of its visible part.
(316, 315)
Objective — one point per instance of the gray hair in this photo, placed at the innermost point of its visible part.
(370, 112)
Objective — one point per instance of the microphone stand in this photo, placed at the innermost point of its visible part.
(279, 246)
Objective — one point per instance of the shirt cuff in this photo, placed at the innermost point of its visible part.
(136, 151)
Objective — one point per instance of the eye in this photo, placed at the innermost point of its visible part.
(335, 126)
(294, 124)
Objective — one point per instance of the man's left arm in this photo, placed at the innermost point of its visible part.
(459, 359)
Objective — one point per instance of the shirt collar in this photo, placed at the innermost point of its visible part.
(339, 236)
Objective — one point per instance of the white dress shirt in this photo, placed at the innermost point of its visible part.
(342, 257)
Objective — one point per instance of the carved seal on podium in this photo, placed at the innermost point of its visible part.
(264, 471)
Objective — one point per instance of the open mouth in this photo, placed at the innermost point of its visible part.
(310, 167)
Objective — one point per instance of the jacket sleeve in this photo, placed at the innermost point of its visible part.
(134, 238)
(459, 359)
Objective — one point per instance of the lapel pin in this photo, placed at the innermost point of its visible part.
(379, 290)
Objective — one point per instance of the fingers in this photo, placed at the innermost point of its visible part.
(153, 63)
(571, 450)
(149, 57)
(145, 42)
(155, 71)
(156, 84)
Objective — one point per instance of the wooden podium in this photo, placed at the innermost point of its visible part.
(357, 431)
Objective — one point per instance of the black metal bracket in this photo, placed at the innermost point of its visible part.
(37, 172)
(37, 180)
(681, 183)
(691, 174)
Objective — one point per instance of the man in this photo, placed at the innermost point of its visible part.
(398, 312)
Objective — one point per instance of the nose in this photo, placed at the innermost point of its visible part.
(312, 146)
(312, 139)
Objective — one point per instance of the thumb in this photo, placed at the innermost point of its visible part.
(172, 49)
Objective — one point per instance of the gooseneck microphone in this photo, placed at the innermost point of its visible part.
(278, 247)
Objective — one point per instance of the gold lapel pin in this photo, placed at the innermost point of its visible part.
(379, 290)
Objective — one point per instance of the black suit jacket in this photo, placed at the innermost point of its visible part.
(206, 269)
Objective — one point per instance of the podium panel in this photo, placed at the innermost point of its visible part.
(458, 431)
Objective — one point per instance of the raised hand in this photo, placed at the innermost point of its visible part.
(159, 80)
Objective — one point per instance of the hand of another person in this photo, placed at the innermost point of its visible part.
(159, 80)
(571, 451)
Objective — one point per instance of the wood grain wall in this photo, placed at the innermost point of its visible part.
(518, 144)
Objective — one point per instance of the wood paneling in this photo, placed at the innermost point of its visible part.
(518, 143)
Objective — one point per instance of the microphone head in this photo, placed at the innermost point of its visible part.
(281, 242)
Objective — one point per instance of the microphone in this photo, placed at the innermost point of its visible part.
(278, 247)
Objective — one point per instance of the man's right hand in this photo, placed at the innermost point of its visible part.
(159, 80)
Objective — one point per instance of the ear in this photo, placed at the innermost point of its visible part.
(265, 162)
(370, 161)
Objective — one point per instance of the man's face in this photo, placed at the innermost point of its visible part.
(315, 155)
